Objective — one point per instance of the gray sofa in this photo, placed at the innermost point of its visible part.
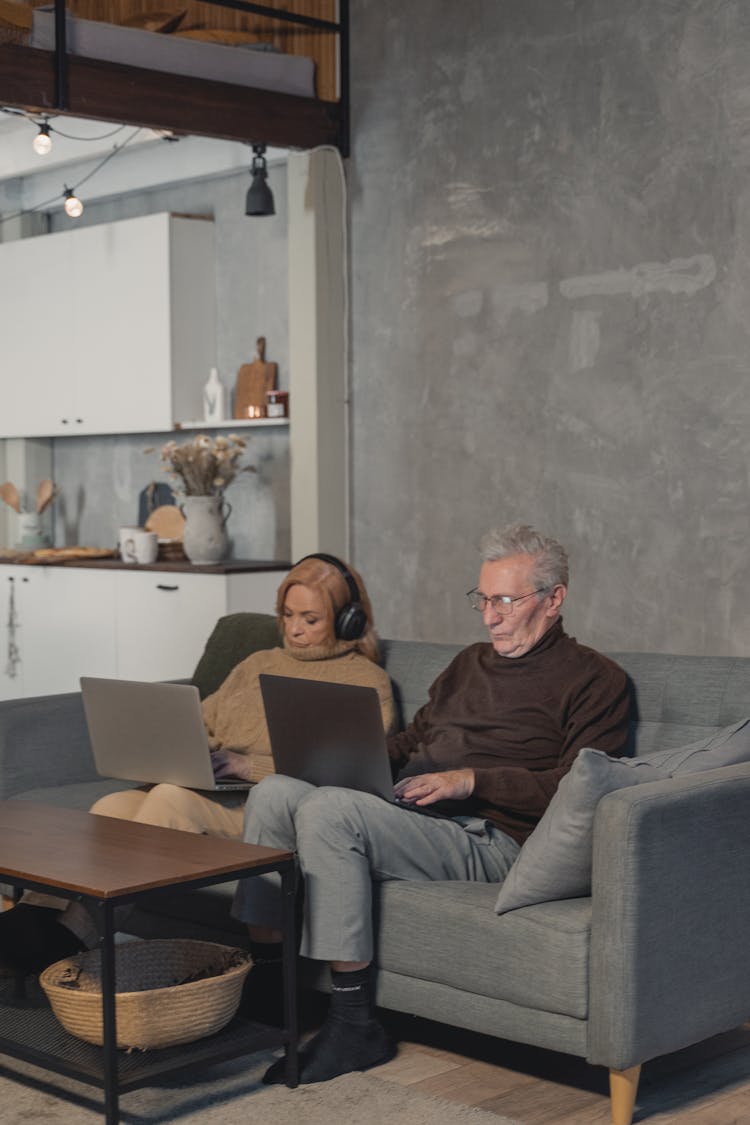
(651, 961)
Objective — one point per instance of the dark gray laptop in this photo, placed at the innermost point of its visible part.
(327, 734)
(150, 732)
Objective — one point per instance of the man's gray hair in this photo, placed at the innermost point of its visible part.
(550, 557)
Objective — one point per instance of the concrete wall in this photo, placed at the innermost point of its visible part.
(101, 477)
(550, 293)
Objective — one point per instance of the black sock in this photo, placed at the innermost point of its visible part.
(351, 998)
(263, 991)
(265, 952)
(338, 1048)
(350, 1039)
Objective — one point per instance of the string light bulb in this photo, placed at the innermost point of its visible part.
(42, 142)
(73, 205)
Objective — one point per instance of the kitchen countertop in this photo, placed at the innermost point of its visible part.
(182, 566)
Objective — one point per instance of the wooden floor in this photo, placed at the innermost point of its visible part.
(708, 1084)
(704, 1085)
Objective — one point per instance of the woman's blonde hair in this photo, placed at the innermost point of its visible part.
(327, 579)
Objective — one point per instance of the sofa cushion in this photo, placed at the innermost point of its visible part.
(682, 698)
(81, 795)
(446, 932)
(233, 638)
(44, 740)
(555, 861)
(413, 666)
(728, 747)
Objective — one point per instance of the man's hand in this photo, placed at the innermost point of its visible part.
(228, 764)
(426, 788)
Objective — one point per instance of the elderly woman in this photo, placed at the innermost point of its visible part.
(327, 632)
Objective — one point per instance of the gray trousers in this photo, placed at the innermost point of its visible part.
(345, 841)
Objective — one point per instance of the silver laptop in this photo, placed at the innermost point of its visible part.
(150, 732)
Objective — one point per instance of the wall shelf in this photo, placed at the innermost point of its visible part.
(232, 424)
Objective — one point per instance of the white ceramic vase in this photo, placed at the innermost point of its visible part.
(205, 538)
(30, 534)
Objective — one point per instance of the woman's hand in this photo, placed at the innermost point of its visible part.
(228, 764)
(426, 788)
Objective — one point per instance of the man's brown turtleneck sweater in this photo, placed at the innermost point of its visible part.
(518, 722)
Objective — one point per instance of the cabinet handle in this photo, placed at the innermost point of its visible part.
(79, 420)
(159, 586)
(64, 421)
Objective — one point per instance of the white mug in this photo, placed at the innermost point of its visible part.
(136, 545)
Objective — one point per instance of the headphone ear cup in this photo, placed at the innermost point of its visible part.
(351, 622)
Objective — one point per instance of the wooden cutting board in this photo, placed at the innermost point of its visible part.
(253, 381)
(167, 521)
(69, 554)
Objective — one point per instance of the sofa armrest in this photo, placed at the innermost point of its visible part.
(670, 915)
(43, 741)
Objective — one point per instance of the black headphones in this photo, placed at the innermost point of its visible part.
(351, 619)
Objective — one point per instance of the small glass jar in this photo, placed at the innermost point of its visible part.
(277, 404)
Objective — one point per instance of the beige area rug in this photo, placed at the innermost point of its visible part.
(228, 1094)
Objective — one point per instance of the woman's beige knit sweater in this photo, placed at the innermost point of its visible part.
(234, 715)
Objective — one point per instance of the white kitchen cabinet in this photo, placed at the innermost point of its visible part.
(36, 365)
(164, 619)
(174, 613)
(131, 623)
(61, 621)
(12, 600)
(108, 328)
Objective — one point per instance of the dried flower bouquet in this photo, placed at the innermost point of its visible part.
(204, 466)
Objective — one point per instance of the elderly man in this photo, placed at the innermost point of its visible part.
(503, 724)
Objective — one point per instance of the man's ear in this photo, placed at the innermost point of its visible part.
(556, 598)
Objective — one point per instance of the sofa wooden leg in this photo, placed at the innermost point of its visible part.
(623, 1087)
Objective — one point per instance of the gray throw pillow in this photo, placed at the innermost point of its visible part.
(555, 861)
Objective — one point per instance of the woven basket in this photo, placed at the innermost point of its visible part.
(154, 1009)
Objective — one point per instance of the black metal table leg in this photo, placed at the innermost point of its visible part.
(109, 1018)
(288, 891)
(40, 1041)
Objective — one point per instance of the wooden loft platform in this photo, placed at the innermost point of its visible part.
(129, 95)
(52, 82)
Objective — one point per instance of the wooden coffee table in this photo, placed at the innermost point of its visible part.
(105, 863)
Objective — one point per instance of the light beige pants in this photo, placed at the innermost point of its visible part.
(171, 806)
(166, 806)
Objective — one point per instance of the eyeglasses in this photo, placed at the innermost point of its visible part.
(501, 603)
